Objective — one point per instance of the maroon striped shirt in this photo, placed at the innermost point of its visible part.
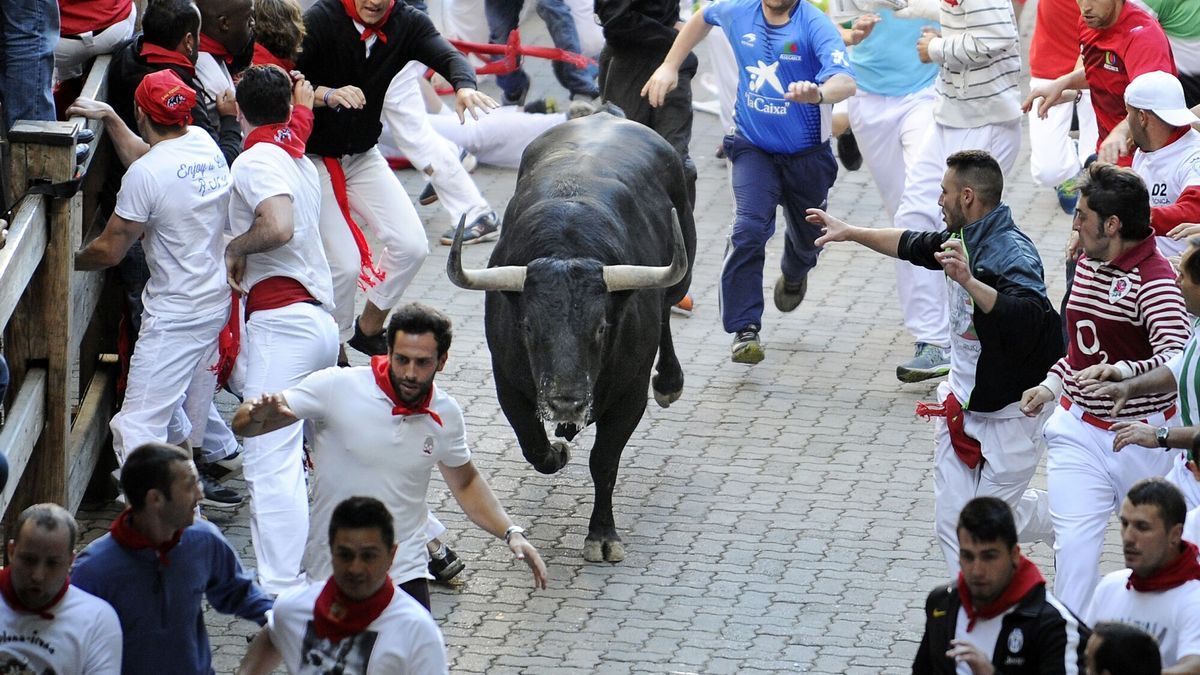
(1128, 312)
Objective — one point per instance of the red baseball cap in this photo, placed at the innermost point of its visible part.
(165, 98)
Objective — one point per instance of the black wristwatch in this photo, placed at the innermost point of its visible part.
(1160, 435)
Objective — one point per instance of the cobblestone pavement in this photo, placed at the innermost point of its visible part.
(777, 518)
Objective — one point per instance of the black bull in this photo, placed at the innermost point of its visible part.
(598, 244)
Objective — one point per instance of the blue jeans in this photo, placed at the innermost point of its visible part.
(761, 182)
(502, 18)
(28, 36)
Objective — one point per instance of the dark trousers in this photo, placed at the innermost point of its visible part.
(762, 181)
(419, 590)
(622, 76)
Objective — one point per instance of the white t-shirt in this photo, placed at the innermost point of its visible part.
(983, 635)
(1167, 172)
(83, 637)
(264, 171)
(403, 640)
(1171, 616)
(214, 77)
(179, 189)
(361, 449)
(1191, 526)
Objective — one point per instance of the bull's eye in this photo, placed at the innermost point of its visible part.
(601, 331)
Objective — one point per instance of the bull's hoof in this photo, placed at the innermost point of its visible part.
(557, 457)
(603, 551)
(664, 398)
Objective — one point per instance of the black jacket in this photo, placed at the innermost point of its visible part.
(335, 56)
(1041, 636)
(1022, 336)
(646, 26)
(125, 74)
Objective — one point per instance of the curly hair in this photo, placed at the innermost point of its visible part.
(279, 27)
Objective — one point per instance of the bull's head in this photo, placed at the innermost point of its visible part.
(565, 306)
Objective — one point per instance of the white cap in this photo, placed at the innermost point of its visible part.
(1162, 94)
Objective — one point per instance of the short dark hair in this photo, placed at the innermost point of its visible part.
(48, 517)
(979, 171)
(415, 319)
(358, 513)
(168, 21)
(148, 468)
(279, 27)
(1125, 650)
(264, 95)
(1115, 191)
(989, 519)
(1161, 493)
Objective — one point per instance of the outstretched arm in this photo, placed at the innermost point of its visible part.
(263, 415)
(882, 240)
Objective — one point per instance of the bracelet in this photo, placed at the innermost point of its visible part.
(513, 529)
(325, 98)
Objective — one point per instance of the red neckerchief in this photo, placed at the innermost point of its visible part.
(369, 29)
(368, 274)
(336, 617)
(264, 57)
(14, 602)
(290, 135)
(1178, 572)
(1025, 579)
(215, 48)
(379, 366)
(122, 530)
(162, 56)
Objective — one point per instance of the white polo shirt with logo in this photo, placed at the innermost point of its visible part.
(1172, 616)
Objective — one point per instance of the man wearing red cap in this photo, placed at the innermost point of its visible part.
(1160, 588)
(352, 50)
(380, 430)
(998, 616)
(176, 194)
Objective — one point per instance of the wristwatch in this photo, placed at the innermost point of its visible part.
(513, 529)
(1160, 435)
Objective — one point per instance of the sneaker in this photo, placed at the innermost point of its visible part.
(447, 567)
(519, 99)
(483, 228)
(789, 294)
(1068, 195)
(928, 362)
(720, 151)
(848, 152)
(371, 345)
(223, 469)
(218, 496)
(542, 106)
(429, 194)
(746, 348)
(684, 306)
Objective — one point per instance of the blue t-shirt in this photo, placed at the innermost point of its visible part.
(807, 48)
(886, 63)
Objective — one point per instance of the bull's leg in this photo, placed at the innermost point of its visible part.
(612, 433)
(668, 383)
(522, 416)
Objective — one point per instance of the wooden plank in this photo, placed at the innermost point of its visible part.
(22, 252)
(89, 433)
(95, 87)
(85, 295)
(21, 430)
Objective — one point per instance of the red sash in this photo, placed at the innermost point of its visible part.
(968, 449)
(276, 292)
(369, 275)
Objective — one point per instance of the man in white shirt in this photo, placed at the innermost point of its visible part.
(1159, 591)
(276, 261)
(175, 194)
(48, 625)
(379, 430)
(355, 622)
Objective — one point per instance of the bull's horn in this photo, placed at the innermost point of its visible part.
(509, 278)
(633, 277)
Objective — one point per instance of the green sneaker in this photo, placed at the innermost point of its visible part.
(746, 347)
(928, 362)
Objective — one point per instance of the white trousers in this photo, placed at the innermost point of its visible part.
(1088, 482)
(725, 71)
(283, 346)
(219, 441)
(1053, 155)
(1012, 449)
(498, 138)
(407, 124)
(171, 361)
(71, 53)
(923, 299)
(379, 204)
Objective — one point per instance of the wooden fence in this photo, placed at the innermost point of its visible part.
(59, 325)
